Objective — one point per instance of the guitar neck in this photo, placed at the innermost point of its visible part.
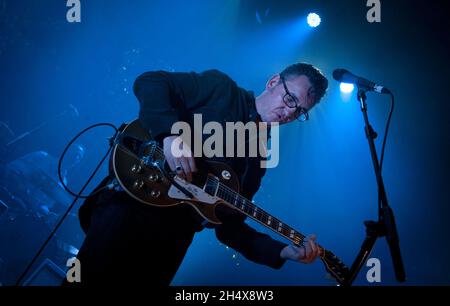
(235, 200)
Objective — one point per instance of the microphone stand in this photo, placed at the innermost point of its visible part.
(385, 226)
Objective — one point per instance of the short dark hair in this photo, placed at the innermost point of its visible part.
(315, 76)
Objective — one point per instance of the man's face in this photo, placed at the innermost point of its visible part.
(275, 108)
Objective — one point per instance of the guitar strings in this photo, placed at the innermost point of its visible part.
(265, 214)
(298, 237)
(248, 204)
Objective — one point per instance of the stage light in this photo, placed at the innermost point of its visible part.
(313, 20)
(346, 88)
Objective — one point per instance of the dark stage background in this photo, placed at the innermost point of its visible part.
(58, 77)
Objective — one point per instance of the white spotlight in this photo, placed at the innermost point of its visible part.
(313, 20)
(347, 88)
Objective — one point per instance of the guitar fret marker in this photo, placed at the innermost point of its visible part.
(280, 226)
(292, 235)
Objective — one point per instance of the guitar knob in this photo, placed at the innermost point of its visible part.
(138, 184)
(226, 175)
(155, 193)
(153, 177)
(136, 168)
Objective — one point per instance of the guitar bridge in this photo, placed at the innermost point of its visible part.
(150, 154)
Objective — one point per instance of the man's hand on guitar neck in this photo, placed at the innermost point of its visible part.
(305, 254)
(183, 165)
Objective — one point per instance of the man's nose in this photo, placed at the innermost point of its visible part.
(288, 112)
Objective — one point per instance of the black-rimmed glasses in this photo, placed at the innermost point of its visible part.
(291, 101)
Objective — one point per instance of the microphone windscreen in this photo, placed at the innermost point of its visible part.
(338, 74)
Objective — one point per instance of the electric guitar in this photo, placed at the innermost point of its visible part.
(140, 169)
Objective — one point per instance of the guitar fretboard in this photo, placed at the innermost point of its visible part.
(214, 188)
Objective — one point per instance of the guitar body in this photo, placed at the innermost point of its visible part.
(149, 186)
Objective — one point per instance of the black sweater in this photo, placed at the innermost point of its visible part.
(166, 98)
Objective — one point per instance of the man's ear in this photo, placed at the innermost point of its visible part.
(273, 81)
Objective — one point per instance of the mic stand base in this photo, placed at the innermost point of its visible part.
(373, 232)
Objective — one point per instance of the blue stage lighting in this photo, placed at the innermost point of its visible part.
(313, 20)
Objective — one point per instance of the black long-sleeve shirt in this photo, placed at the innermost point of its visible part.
(166, 98)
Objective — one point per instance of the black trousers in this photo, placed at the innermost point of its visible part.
(131, 243)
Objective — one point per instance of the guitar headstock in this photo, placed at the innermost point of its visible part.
(334, 266)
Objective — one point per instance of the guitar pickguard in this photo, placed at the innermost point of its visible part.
(199, 194)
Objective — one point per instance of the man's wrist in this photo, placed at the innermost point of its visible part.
(284, 252)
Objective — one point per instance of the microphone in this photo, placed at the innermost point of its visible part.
(345, 76)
